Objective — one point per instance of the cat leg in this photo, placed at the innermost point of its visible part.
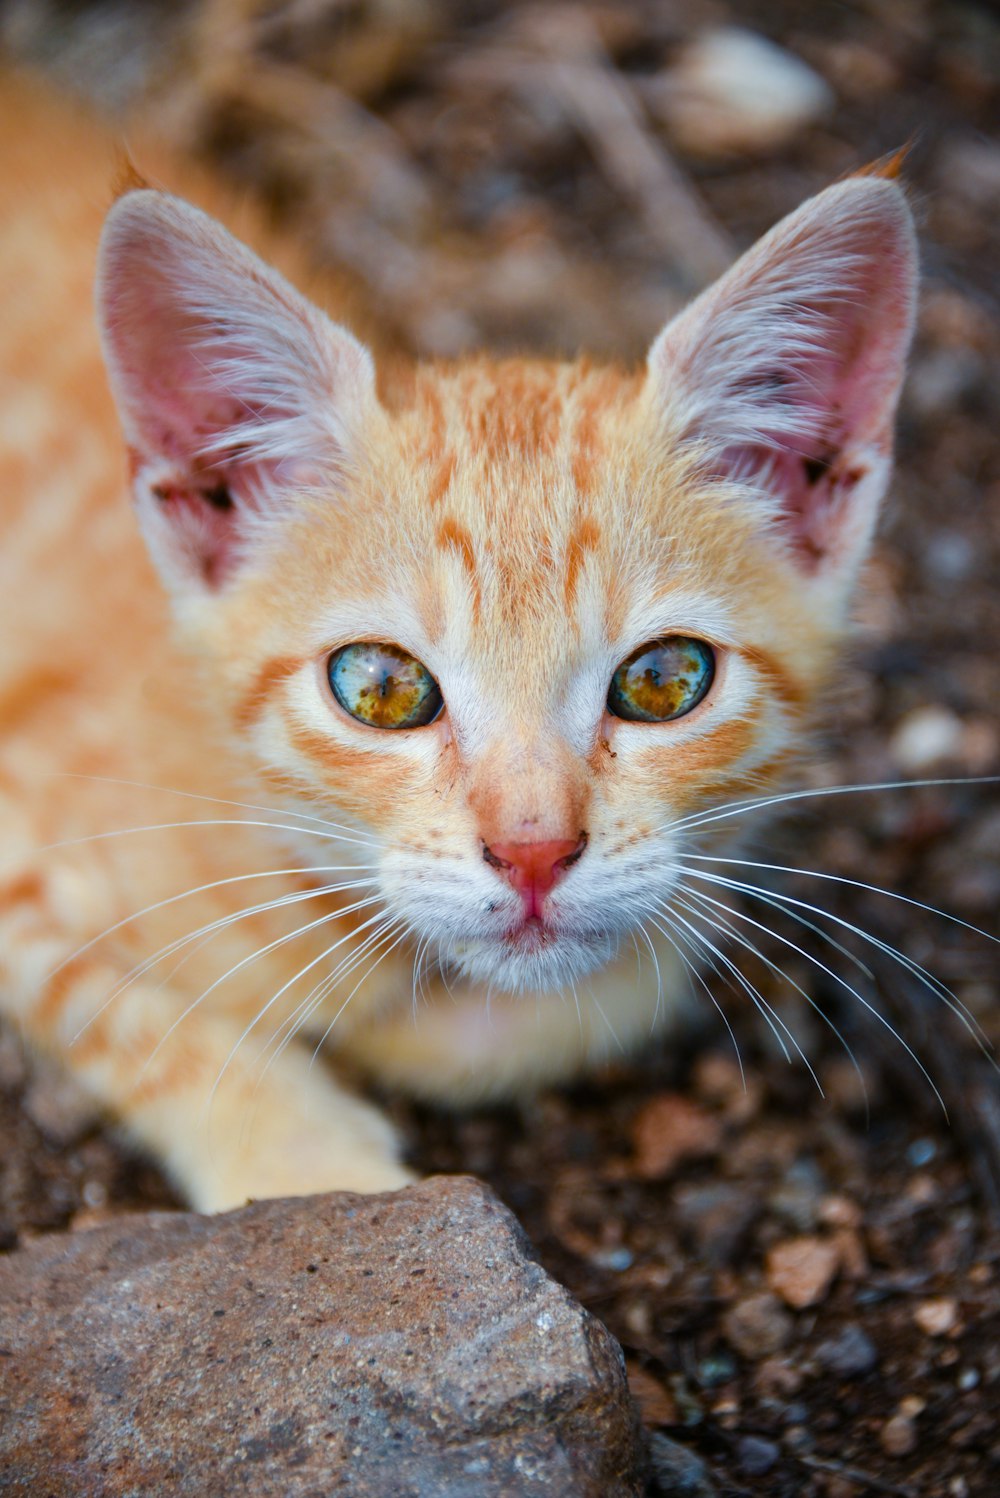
(225, 1125)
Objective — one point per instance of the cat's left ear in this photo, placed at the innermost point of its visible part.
(786, 373)
(235, 393)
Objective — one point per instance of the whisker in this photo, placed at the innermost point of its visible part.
(817, 930)
(421, 970)
(694, 971)
(172, 790)
(348, 964)
(305, 1008)
(659, 977)
(598, 1006)
(774, 1021)
(874, 889)
(95, 837)
(207, 932)
(201, 889)
(781, 973)
(255, 956)
(363, 979)
(918, 971)
(576, 1005)
(351, 960)
(737, 808)
(273, 1000)
(280, 1049)
(750, 889)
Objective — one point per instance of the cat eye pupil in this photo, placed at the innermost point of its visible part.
(662, 680)
(383, 686)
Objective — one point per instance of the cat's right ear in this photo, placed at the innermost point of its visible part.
(235, 393)
(783, 377)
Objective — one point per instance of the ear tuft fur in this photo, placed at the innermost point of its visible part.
(127, 176)
(889, 167)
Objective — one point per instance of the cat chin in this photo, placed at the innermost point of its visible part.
(543, 966)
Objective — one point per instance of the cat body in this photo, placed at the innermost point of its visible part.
(453, 908)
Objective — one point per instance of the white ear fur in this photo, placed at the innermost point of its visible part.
(234, 392)
(786, 373)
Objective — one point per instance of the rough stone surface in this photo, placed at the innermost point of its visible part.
(403, 1346)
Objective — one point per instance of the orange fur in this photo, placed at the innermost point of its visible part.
(511, 523)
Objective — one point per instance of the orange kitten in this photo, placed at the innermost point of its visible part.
(452, 654)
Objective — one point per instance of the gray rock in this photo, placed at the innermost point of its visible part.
(756, 1456)
(850, 1353)
(677, 1471)
(758, 1325)
(404, 1346)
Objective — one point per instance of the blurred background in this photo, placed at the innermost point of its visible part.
(559, 177)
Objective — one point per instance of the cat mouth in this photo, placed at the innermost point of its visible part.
(531, 955)
(532, 935)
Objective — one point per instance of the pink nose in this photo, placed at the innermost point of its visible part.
(533, 868)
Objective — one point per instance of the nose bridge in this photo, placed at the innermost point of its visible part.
(529, 791)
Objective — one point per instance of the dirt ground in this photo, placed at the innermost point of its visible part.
(804, 1272)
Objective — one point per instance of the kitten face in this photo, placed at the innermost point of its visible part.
(520, 529)
(521, 597)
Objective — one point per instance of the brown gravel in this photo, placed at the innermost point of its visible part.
(479, 207)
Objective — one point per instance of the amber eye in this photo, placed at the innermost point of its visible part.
(663, 679)
(383, 686)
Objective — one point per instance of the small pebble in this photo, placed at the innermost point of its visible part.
(839, 1212)
(776, 1379)
(756, 1456)
(58, 1106)
(921, 1152)
(95, 1194)
(799, 1438)
(717, 1077)
(851, 1253)
(717, 1368)
(801, 1270)
(677, 1471)
(849, 1354)
(656, 1404)
(937, 1317)
(670, 1129)
(797, 1413)
(898, 1436)
(618, 1259)
(733, 91)
(926, 738)
(968, 1379)
(757, 1326)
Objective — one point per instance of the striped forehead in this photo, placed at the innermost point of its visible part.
(507, 465)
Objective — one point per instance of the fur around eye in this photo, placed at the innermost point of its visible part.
(662, 680)
(383, 686)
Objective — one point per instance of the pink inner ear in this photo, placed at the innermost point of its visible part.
(813, 492)
(839, 405)
(234, 392)
(810, 472)
(787, 372)
(204, 525)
